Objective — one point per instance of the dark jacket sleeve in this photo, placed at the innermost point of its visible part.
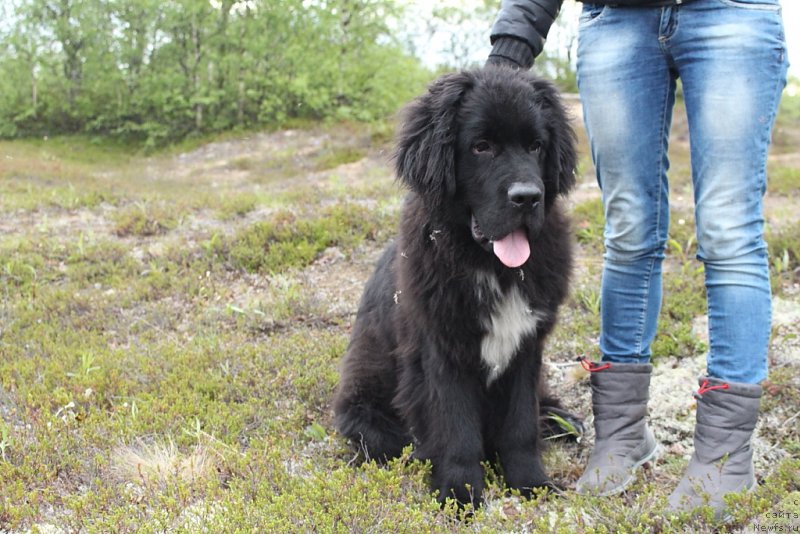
(521, 25)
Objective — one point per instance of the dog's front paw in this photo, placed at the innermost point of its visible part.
(524, 472)
(460, 483)
(527, 489)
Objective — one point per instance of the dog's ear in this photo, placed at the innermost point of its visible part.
(561, 157)
(425, 155)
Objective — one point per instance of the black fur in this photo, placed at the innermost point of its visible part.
(413, 372)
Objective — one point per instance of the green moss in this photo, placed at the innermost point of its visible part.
(17, 192)
(784, 180)
(684, 299)
(333, 157)
(289, 241)
(145, 219)
(235, 206)
(589, 221)
(784, 253)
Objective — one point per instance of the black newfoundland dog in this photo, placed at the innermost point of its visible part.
(446, 350)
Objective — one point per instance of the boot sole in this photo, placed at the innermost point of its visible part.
(650, 458)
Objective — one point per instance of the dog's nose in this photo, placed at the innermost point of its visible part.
(521, 194)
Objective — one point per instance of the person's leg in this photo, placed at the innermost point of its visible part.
(628, 90)
(731, 58)
(733, 66)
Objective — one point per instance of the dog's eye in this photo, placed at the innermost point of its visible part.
(482, 147)
(535, 147)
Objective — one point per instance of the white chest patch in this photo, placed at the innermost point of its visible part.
(509, 321)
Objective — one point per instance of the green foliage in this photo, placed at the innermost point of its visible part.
(784, 180)
(236, 206)
(786, 241)
(785, 136)
(145, 219)
(560, 70)
(789, 111)
(684, 295)
(784, 253)
(290, 241)
(331, 159)
(589, 221)
(159, 72)
(684, 300)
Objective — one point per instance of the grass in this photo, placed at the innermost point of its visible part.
(237, 205)
(144, 219)
(290, 241)
(332, 158)
(170, 335)
(783, 180)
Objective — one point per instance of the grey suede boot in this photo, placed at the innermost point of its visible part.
(623, 441)
(722, 462)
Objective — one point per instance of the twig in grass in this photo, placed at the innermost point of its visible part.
(5, 443)
(792, 418)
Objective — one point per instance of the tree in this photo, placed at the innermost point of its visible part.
(160, 71)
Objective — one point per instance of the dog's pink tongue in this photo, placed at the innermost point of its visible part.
(513, 250)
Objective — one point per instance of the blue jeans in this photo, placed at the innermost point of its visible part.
(731, 59)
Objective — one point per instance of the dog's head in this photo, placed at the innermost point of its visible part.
(495, 148)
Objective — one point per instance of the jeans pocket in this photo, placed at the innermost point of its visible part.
(591, 13)
(764, 5)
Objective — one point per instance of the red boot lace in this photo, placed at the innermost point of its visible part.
(705, 388)
(593, 367)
